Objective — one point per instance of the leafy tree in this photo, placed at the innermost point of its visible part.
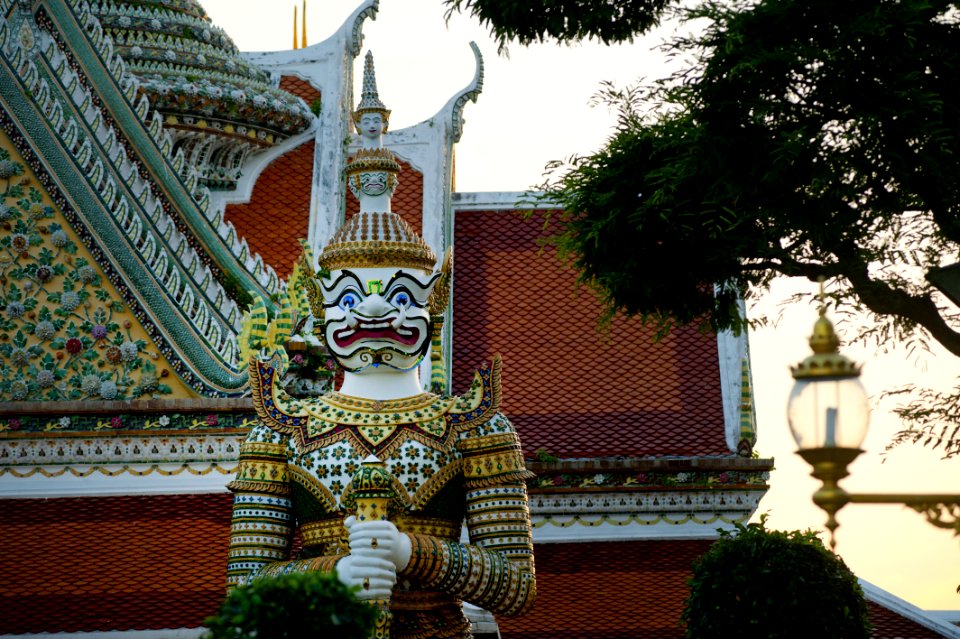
(563, 20)
(772, 584)
(806, 138)
(292, 606)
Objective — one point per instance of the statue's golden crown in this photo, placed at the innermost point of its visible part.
(374, 239)
(379, 159)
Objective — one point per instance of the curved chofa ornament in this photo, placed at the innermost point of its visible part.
(471, 93)
(446, 459)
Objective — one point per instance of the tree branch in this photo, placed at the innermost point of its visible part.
(883, 299)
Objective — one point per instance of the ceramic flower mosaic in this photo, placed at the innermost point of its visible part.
(62, 335)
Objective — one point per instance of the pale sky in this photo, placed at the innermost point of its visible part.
(535, 108)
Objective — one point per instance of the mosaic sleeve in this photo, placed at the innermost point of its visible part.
(495, 570)
(262, 525)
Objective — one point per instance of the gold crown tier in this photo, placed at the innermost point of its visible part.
(362, 173)
(373, 160)
(372, 239)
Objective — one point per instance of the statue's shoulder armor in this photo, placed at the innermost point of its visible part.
(480, 403)
(276, 410)
(487, 442)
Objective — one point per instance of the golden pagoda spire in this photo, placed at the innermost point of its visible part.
(295, 27)
(303, 26)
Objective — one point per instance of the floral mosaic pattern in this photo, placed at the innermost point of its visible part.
(650, 479)
(18, 457)
(153, 422)
(335, 465)
(62, 335)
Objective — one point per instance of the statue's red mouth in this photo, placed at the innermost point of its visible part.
(377, 330)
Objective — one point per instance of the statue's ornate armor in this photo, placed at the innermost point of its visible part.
(379, 303)
(453, 459)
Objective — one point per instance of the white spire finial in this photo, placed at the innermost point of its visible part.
(369, 97)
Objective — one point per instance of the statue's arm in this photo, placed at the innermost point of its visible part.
(495, 570)
(262, 524)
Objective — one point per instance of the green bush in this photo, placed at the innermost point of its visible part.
(293, 606)
(768, 584)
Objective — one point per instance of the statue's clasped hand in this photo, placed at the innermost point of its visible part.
(377, 552)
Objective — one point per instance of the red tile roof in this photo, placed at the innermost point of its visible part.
(609, 590)
(112, 563)
(407, 200)
(623, 590)
(889, 625)
(155, 562)
(300, 88)
(567, 387)
(278, 212)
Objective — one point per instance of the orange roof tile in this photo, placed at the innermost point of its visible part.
(300, 88)
(407, 200)
(112, 563)
(623, 590)
(567, 387)
(278, 213)
(608, 590)
(889, 625)
(95, 564)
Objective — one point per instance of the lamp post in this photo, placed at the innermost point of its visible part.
(829, 413)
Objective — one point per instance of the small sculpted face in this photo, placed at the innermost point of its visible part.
(377, 317)
(373, 183)
(371, 125)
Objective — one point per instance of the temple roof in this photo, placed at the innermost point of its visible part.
(114, 563)
(157, 562)
(280, 202)
(193, 73)
(132, 182)
(888, 623)
(570, 388)
(608, 590)
(300, 88)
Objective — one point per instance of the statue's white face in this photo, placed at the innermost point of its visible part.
(371, 125)
(377, 318)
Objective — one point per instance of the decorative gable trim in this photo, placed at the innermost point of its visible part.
(104, 189)
(183, 196)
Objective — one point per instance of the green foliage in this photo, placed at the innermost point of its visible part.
(795, 144)
(292, 606)
(543, 455)
(769, 584)
(930, 419)
(562, 20)
(808, 139)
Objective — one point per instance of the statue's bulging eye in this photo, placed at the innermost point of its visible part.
(401, 300)
(348, 301)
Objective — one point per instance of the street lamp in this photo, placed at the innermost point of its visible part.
(829, 413)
